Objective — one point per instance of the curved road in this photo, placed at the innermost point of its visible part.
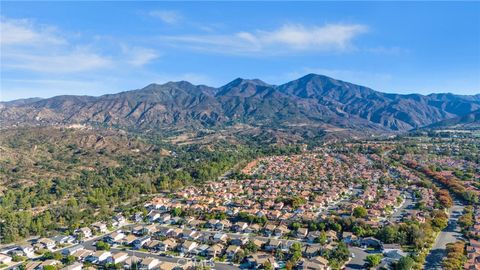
(450, 234)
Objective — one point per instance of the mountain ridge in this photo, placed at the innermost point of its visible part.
(312, 100)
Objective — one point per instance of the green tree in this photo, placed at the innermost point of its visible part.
(373, 259)
(296, 251)
(405, 263)
(360, 212)
(102, 246)
(322, 238)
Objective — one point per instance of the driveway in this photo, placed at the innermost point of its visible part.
(359, 260)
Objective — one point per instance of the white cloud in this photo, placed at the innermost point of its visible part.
(331, 36)
(138, 56)
(22, 31)
(287, 38)
(167, 16)
(31, 47)
(72, 61)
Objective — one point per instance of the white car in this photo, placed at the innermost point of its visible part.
(353, 255)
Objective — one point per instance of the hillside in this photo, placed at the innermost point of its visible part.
(308, 106)
(469, 121)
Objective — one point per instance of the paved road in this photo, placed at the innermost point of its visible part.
(450, 234)
(358, 261)
(89, 244)
(406, 206)
(180, 261)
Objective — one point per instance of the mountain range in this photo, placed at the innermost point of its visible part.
(311, 102)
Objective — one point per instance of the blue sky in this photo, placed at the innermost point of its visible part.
(93, 48)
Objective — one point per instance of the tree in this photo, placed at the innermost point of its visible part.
(340, 253)
(102, 246)
(373, 259)
(289, 265)
(360, 212)
(52, 256)
(69, 260)
(322, 238)
(267, 266)
(296, 251)
(176, 212)
(49, 267)
(251, 247)
(405, 263)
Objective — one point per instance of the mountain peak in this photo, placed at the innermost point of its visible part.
(312, 99)
(242, 81)
(242, 87)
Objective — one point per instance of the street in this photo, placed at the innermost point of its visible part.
(221, 266)
(450, 234)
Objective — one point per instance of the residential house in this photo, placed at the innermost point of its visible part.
(190, 235)
(164, 219)
(211, 223)
(5, 259)
(239, 240)
(202, 250)
(45, 243)
(153, 245)
(316, 263)
(139, 242)
(215, 250)
(32, 265)
(82, 254)
(139, 230)
(74, 266)
(302, 233)
(167, 244)
(349, 238)
(84, 232)
(258, 259)
(100, 227)
(138, 217)
(281, 230)
(393, 251)
(231, 251)
(149, 263)
(331, 236)
(188, 246)
(163, 231)
(312, 236)
(273, 244)
(220, 237)
(312, 251)
(119, 257)
(131, 262)
(254, 228)
(49, 263)
(269, 229)
(371, 242)
(223, 225)
(72, 250)
(128, 240)
(63, 239)
(153, 215)
(27, 250)
(119, 220)
(98, 257)
(240, 226)
(115, 238)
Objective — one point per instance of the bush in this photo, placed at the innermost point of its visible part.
(373, 259)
